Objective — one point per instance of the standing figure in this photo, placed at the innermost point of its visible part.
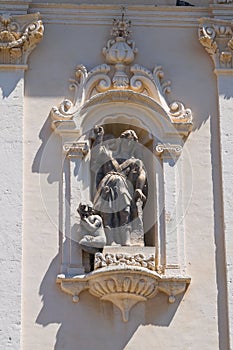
(120, 183)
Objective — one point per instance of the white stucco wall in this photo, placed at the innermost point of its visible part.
(50, 320)
(11, 204)
(50, 317)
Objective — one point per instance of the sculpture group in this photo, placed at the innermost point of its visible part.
(119, 190)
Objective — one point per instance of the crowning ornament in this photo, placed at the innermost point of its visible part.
(120, 74)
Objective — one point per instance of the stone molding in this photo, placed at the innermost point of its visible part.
(19, 35)
(217, 38)
(143, 15)
(124, 286)
(223, 1)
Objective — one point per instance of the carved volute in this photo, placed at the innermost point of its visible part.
(216, 36)
(18, 37)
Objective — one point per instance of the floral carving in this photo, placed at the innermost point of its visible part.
(18, 37)
(217, 38)
(141, 260)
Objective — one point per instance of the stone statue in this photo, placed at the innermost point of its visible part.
(120, 183)
(91, 228)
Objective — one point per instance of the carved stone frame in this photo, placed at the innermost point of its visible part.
(132, 95)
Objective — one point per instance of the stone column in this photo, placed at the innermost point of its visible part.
(18, 36)
(172, 226)
(75, 192)
(217, 38)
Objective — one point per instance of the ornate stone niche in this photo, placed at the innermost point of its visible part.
(119, 100)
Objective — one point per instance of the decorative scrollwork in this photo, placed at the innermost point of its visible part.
(77, 85)
(62, 112)
(18, 39)
(120, 74)
(217, 38)
(171, 149)
(207, 35)
(179, 113)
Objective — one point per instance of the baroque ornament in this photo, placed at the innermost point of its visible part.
(217, 38)
(18, 37)
(119, 74)
(124, 287)
(168, 148)
(122, 277)
(121, 259)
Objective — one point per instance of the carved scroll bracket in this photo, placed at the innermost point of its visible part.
(125, 286)
(217, 38)
(19, 35)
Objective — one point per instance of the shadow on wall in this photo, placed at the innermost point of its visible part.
(220, 257)
(48, 156)
(91, 323)
(9, 82)
(94, 324)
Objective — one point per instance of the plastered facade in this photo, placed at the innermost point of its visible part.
(35, 313)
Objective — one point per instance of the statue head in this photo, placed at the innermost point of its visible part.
(129, 134)
(85, 210)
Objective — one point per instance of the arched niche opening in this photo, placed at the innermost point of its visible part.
(144, 227)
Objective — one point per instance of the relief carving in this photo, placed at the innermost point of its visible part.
(120, 74)
(217, 38)
(91, 228)
(121, 259)
(18, 37)
(121, 186)
(123, 267)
